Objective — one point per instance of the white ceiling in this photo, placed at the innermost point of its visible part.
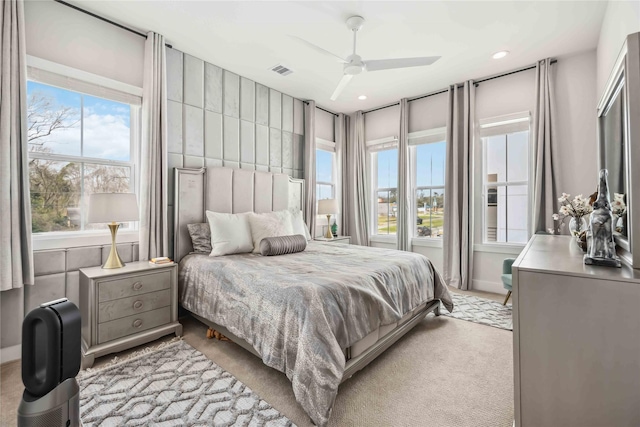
(250, 37)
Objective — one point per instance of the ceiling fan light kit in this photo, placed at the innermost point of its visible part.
(354, 65)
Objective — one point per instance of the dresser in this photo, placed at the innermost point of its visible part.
(126, 307)
(576, 339)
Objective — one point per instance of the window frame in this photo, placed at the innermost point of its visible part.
(328, 147)
(415, 139)
(501, 126)
(69, 79)
(373, 147)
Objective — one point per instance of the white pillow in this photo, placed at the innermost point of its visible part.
(230, 233)
(270, 224)
(298, 224)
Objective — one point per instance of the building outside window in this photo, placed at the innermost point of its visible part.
(79, 144)
(505, 179)
(428, 157)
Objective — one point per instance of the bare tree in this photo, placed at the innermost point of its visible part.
(44, 117)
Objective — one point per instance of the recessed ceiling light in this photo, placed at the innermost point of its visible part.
(500, 54)
(362, 97)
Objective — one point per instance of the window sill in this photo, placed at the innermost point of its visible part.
(61, 241)
(426, 242)
(376, 238)
(510, 249)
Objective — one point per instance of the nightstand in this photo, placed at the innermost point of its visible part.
(125, 307)
(345, 240)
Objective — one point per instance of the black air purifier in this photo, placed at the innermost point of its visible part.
(50, 361)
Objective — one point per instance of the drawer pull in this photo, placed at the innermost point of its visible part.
(138, 305)
(137, 286)
(137, 323)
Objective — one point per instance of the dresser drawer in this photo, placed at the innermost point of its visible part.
(129, 325)
(116, 309)
(133, 285)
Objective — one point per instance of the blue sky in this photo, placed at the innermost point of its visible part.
(430, 165)
(106, 126)
(324, 165)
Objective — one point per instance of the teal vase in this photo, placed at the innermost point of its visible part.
(334, 229)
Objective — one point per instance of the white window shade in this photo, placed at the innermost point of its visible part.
(323, 144)
(382, 144)
(79, 85)
(428, 136)
(506, 124)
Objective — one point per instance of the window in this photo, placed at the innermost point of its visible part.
(428, 152)
(384, 183)
(325, 174)
(505, 180)
(78, 144)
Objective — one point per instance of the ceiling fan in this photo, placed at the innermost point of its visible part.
(353, 64)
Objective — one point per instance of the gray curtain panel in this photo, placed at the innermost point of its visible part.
(458, 242)
(403, 237)
(341, 129)
(154, 170)
(545, 192)
(310, 165)
(16, 257)
(355, 205)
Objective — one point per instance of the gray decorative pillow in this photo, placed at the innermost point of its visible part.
(200, 237)
(282, 245)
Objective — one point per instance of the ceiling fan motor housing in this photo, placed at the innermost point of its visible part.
(354, 66)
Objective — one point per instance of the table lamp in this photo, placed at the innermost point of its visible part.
(328, 207)
(113, 208)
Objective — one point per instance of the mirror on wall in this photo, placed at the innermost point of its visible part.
(619, 147)
(614, 152)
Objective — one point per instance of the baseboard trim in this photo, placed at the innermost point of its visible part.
(8, 354)
(487, 286)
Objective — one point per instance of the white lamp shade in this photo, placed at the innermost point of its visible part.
(327, 206)
(113, 207)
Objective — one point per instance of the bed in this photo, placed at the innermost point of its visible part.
(319, 315)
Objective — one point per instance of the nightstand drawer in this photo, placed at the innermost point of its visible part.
(133, 285)
(116, 309)
(129, 325)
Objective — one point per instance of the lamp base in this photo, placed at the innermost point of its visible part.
(328, 235)
(114, 260)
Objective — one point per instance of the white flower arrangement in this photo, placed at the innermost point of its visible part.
(618, 206)
(576, 208)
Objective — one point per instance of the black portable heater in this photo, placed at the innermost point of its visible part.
(50, 362)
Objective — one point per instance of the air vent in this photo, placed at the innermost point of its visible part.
(282, 70)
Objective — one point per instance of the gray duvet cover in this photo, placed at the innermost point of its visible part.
(299, 311)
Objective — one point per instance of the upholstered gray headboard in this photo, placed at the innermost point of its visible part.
(230, 191)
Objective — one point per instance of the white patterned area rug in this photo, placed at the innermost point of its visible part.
(171, 385)
(480, 310)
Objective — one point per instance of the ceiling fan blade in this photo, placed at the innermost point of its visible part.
(319, 49)
(388, 64)
(343, 83)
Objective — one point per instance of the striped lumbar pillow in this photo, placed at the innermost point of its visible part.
(282, 245)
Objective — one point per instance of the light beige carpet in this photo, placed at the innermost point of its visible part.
(445, 372)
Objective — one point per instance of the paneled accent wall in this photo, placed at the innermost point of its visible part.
(57, 276)
(218, 118)
(57, 272)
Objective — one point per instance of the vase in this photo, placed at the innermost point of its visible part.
(577, 226)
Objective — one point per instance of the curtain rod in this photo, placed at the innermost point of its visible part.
(381, 108)
(477, 82)
(326, 111)
(131, 30)
(497, 76)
